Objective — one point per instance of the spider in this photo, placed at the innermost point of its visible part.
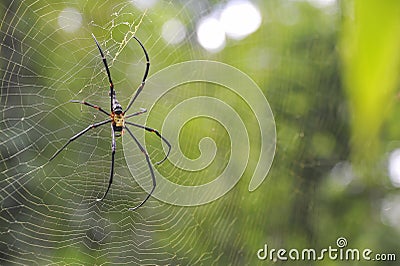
(118, 123)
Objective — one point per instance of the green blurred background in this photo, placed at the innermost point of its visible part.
(329, 70)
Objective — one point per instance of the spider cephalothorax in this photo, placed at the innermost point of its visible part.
(118, 118)
(118, 123)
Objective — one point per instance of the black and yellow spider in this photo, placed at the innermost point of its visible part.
(118, 123)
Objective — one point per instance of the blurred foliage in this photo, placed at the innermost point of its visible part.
(330, 76)
(371, 56)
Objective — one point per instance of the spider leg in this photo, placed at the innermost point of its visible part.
(139, 90)
(150, 168)
(142, 111)
(147, 59)
(78, 135)
(113, 145)
(103, 57)
(91, 105)
(149, 129)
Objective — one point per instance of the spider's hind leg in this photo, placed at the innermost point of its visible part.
(155, 131)
(113, 147)
(153, 178)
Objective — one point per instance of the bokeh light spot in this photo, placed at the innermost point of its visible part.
(240, 18)
(70, 20)
(173, 31)
(394, 167)
(210, 34)
(144, 4)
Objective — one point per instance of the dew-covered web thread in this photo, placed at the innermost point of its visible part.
(48, 209)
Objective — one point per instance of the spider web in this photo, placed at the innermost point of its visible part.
(48, 209)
